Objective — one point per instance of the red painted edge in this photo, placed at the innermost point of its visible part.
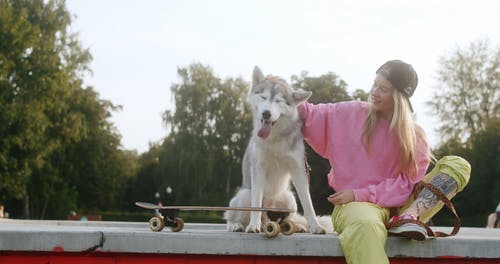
(58, 249)
(61, 257)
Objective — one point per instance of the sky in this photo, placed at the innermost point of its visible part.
(138, 45)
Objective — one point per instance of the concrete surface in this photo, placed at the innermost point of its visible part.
(128, 237)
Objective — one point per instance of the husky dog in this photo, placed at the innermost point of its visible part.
(274, 156)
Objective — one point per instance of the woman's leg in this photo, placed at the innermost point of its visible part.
(362, 232)
(450, 175)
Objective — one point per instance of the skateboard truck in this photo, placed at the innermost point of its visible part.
(172, 220)
(278, 223)
(169, 218)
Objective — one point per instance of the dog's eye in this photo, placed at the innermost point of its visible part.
(282, 101)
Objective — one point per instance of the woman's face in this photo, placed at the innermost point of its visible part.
(381, 97)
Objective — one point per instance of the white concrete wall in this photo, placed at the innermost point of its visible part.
(75, 236)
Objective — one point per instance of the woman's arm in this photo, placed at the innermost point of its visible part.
(315, 126)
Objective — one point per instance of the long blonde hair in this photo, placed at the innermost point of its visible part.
(406, 129)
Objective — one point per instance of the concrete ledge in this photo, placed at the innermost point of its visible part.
(212, 239)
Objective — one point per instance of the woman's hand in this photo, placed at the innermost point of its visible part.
(341, 197)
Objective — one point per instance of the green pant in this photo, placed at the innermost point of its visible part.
(361, 225)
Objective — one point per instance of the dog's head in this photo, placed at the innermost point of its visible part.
(271, 98)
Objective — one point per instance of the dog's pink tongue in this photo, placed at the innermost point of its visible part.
(265, 130)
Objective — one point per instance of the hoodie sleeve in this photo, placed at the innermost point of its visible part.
(315, 126)
(394, 192)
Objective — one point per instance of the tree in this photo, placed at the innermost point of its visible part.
(38, 59)
(482, 150)
(468, 94)
(484, 156)
(201, 157)
(55, 138)
(327, 88)
(147, 179)
(360, 95)
(467, 105)
(94, 166)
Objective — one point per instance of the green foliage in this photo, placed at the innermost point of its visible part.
(204, 139)
(484, 156)
(147, 181)
(326, 88)
(29, 78)
(467, 105)
(201, 157)
(34, 66)
(468, 94)
(483, 152)
(360, 95)
(57, 150)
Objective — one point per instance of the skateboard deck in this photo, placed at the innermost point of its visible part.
(168, 216)
(212, 208)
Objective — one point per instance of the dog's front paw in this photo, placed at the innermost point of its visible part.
(253, 228)
(318, 230)
(234, 227)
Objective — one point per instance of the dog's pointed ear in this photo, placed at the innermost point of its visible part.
(301, 96)
(257, 76)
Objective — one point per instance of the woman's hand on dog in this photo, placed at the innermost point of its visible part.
(341, 197)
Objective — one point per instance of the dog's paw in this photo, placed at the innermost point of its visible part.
(234, 227)
(318, 230)
(253, 229)
(301, 228)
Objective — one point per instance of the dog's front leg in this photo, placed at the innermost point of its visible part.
(257, 176)
(301, 184)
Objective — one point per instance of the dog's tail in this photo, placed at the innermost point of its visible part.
(326, 222)
(300, 221)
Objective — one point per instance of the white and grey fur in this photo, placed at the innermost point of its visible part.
(274, 157)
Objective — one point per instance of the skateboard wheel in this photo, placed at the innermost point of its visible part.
(178, 225)
(156, 224)
(271, 229)
(288, 227)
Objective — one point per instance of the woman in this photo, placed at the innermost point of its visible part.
(494, 219)
(377, 155)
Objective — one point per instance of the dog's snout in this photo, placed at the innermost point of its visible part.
(266, 114)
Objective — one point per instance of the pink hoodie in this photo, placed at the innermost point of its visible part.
(334, 132)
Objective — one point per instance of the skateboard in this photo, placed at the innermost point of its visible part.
(169, 217)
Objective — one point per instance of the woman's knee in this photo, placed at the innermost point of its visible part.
(455, 167)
